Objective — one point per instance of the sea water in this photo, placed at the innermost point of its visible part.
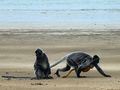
(59, 14)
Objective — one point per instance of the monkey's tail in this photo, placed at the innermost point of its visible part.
(59, 61)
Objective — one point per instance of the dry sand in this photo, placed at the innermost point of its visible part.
(17, 58)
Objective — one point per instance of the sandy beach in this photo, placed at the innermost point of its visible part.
(17, 58)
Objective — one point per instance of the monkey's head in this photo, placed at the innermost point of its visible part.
(96, 59)
(38, 52)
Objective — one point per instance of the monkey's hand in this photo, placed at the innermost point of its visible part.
(108, 76)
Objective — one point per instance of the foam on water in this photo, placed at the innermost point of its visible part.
(59, 32)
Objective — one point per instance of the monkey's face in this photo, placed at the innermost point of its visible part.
(38, 53)
(96, 59)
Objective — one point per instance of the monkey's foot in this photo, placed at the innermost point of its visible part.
(64, 76)
(82, 77)
(58, 75)
(34, 78)
(49, 77)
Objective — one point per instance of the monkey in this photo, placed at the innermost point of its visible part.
(81, 62)
(41, 65)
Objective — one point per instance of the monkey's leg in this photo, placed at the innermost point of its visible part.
(101, 71)
(75, 65)
(65, 76)
(47, 73)
(39, 74)
(62, 70)
(78, 71)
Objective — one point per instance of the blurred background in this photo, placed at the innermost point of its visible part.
(67, 14)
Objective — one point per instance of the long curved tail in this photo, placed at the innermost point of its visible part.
(59, 61)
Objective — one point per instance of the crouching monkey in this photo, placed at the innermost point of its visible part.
(81, 62)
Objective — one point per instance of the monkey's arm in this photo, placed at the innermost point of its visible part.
(39, 67)
(101, 71)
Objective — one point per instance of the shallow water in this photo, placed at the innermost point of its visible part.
(60, 32)
(59, 14)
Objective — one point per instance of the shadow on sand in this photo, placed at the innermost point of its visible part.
(16, 77)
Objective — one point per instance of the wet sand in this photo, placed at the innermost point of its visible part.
(17, 59)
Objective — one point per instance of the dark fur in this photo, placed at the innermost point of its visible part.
(74, 62)
(41, 66)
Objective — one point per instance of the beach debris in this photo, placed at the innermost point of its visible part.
(6, 72)
(37, 83)
(15, 77)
